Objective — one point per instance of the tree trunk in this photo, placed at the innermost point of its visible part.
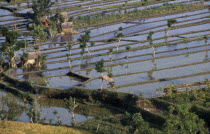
(118, 44)
(117, 47)
(153, 51)
(167, 32)
(110, 56)
(102, 83)
(70, 64)
(88, 51)
(73, 118)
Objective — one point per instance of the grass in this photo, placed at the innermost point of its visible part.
(155, 11)
(11, 127)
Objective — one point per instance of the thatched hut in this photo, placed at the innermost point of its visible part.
(67, 27)
(29, 58)
(45, 21)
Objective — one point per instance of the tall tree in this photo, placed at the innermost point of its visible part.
(40, 8)
(128, 48)
(71, 105)
(170, 23)
(10, 47)
(110, 54)
(68, 48)
(149, 38)
(119, 37)
(83, 40)
(99, 67)
(206, 43)
(38, 33)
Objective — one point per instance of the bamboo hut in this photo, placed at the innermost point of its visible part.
(67, 27)
(29, 58)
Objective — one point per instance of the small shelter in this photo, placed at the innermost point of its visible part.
(106, 78)
(29, 58)
(67, 27)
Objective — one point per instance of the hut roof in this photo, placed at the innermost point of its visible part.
(106, 78)
(32, 55)
(67, 25)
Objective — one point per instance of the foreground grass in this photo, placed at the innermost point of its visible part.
(11, 127)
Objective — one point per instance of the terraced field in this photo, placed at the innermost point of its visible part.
(182, 57)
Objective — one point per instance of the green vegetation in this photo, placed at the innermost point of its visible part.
(40, 8)
(14, 1)
(9, 48)
(71, 105)
(170, 23)
(112, 111)
(84, 40)
(151, 12)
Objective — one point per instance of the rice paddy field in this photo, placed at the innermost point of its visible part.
(181, 57)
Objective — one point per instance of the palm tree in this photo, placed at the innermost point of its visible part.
(10, 47)
(25, 40)
(81, 53)
(170, 23)
(69, 47)
(206, 40)
(40, 8)
(40, 60)
(206, 43)
(83, 40)
(99, 67)
(38, 33)
(128, 48)
(149, 38)
(71, 105)
(119, 37)
(110, 54)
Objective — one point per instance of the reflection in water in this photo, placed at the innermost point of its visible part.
(40, 111)
(66, 38)
(29, 76)
(150, 73)
(206, 43)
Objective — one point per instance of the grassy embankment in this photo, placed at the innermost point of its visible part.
(11, 127)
